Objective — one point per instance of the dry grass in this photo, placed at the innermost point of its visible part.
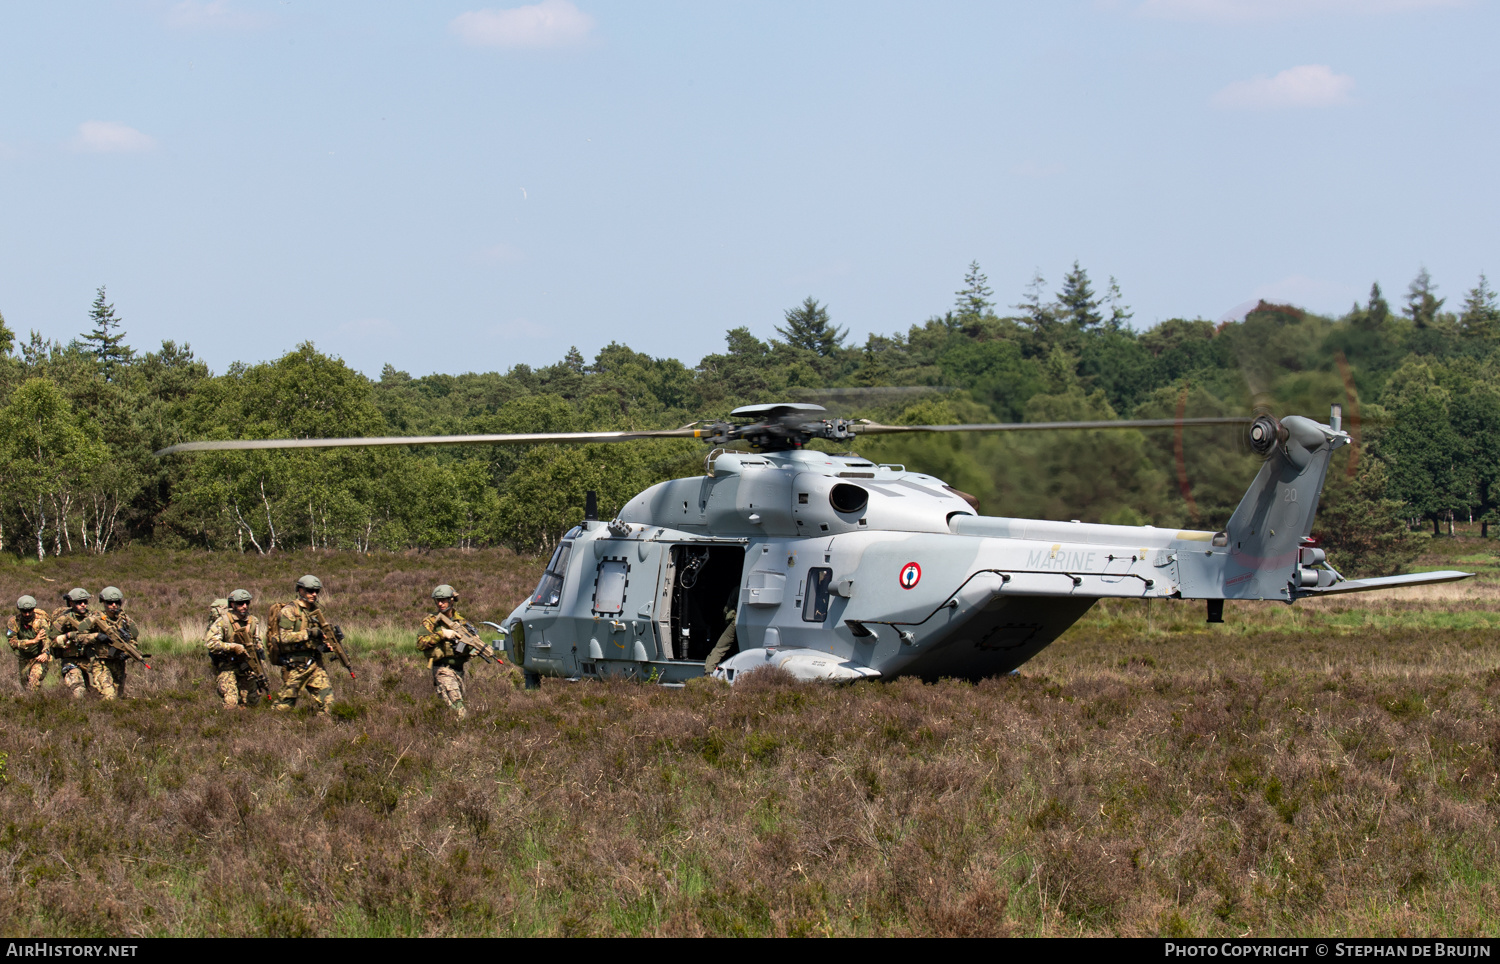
(169, 592)
(1322, 769)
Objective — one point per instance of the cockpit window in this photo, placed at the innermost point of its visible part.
(815, 606)
(549, 590)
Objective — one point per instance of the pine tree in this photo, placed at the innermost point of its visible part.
(1422, 302)
(1079, 306)
(7, 338)
(807, 327)
(1377, 309)
(973, 300)
(107, 340)
(1481, 316)
(1119, 312)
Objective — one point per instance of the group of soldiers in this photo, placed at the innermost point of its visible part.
(92, 646)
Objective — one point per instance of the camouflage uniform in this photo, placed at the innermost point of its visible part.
(300, 658)
(30, 644)
(446, 665)
(107, 674)
(232, 672)
(71, 642)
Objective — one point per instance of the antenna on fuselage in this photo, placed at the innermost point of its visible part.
(591, 506)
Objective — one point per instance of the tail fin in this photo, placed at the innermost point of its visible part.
(1266, 531)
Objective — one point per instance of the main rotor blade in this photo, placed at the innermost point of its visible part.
(873, 428)
(529, 438)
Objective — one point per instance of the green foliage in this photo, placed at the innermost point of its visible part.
(78, 473)
(808, 328)
(1079, 306)
(973, 300)
(1422, 302)
(107, 339)
(544, 496)
(1363, 530)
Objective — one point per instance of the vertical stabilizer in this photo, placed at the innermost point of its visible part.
(1266, 531)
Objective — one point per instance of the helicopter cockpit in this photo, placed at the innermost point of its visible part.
(549, 588)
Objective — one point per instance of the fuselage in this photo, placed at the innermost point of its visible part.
(835, 567)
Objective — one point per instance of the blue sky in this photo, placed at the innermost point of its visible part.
(449, 187)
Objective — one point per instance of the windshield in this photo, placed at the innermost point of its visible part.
(549, 590)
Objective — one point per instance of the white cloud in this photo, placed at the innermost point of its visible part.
(108, 137)
(1311, 85)
(500, 254)
(1241, 11)
(212, 15)
(551, 23)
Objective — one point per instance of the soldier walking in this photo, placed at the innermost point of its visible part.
(296, 643)
(443, 658)
(238, 673)
(109, 665)
(26, 632)
(71, 637)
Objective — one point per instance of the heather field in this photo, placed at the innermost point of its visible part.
(1327, 768)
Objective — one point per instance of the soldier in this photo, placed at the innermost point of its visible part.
(71, 637)
(238, 682)
(726, 645)
(26, 632)
(110, 662)
(437, 641)
(296, 644)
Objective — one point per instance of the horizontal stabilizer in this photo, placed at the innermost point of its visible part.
(1386, 582)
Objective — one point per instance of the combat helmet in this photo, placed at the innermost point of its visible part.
(26, 603)
(445, 591)
(311, 583)
(78, 595)
(111, 594)
(239, 596)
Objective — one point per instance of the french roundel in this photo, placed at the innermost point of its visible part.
(911, 574)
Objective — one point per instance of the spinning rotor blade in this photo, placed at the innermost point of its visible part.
(711, 432)
(876, 429)
(529, 438)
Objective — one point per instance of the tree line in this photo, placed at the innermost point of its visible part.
(79, 421)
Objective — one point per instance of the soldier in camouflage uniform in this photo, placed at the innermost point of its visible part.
(296, 645)
(26, 632)
(232, 672)
(436, 641)
(109, 664)
(71, 637)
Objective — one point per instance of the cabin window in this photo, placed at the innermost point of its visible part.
(815, 599)
(609, 587)
(549, 590)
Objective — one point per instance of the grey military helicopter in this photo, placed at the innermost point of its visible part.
(838, 568)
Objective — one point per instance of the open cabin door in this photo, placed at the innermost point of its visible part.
(700, 583)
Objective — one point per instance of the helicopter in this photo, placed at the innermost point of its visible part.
(837, 568)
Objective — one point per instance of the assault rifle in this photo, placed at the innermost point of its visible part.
(257, 672)
(119, 638)
(469, 641)
(333, 638)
